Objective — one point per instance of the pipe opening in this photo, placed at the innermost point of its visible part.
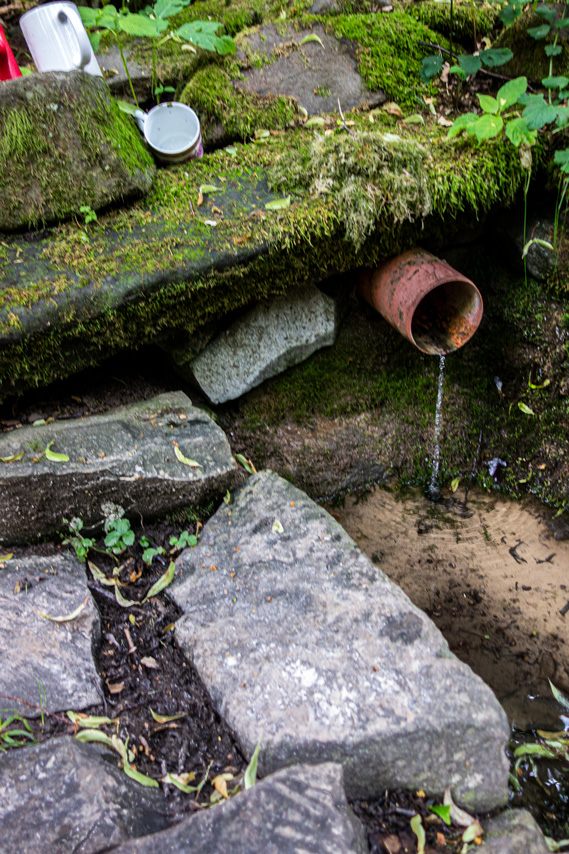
(447, 317)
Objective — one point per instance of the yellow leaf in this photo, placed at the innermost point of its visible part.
(55, 458)
(100, 576)
(162, 582)
(4, 558)
(81, 719)
(89, 735)
(164, 719)
(124, 603)
(183, 459)
(13, 458)
(68, 617)
(393, 109)
(219, 783)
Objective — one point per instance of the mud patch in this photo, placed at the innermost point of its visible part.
(493, 579)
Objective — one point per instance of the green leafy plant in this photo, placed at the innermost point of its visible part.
(119, 534)
(183, 541)
(77, 540)
(89, 214)
(152, 23)
(12, 735)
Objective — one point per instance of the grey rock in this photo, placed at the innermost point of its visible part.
(273, 336)
(63, 796)
(112, 67)
(126, 456)
(42, 658)
(301, 640)
(513, 832)
(540, 260)
(298, 809)
(316, 74)
(54, 165)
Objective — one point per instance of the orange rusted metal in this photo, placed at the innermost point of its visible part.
(425, 299)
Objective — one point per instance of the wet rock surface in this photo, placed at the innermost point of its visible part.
(42, 658)
(147, 457)
(513, 832)
(303, 808)
(271, 337)
(63, 796)
(296, 634)
(318, 73)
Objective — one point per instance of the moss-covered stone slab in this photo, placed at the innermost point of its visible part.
(529, 59)
(149, 458)
(64, 146)
(268, 220)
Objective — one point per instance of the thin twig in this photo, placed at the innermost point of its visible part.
(345, 126)
(40, 709)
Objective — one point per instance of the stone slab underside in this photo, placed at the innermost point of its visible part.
(304, 643)
(42, 660)
(127, 456)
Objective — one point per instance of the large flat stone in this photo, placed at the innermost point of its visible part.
(298, 809)
(63, 796)
(303, 642)
(513, 832)
(273, 336)
(126, 456)
(41, 658)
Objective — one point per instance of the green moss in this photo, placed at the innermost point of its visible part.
(529, 57)
(466, 18)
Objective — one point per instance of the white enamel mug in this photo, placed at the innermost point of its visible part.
(172, 131)
(57, 39)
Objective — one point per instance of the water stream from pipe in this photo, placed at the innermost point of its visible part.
(434, 487)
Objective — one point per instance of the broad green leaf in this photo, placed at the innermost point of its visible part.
(419, 831)
(561, 24)
(95, 41)
(165, 719)
(518, 132)
(509, 14)
(487, 127)
(510, 93)
(495, 56)
(278, 204)
(14, 458)
(561, 698)
(250, 775)
(555, 82)
(535, 750)
(443, 812)
(562, 159)
(539, 113)
(140, 778)
(121, 600)
(163, 582)
(552, 49)
(167, 8)
(203, 34)
(129, 109)
(68, 617)
(462, 123)
(139, 25)
(312, 38)
(430, 67)
(108, 18)
(210, 188)
(89, 735)
(538, 32)
(89, 16)
(546, 12)
(469, 64)
(489, 104)
(53, 457)
(88, 720)
(525, 408)
(183, 459)
(314, 121)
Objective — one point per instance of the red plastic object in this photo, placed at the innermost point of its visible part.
(8, 66)
(425, 299)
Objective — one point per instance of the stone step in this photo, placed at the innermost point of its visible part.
(304, 643)
(127, 456)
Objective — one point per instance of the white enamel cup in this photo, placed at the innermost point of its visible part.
(57, 39)
(172, 132)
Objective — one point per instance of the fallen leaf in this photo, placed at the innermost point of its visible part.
(162, 582)
(211, 222)
(445, 123)
(149, 662)
(4, 558)
(186, 460)
(219, 783)
(90, 735)
(14, 458)
(278, 204)
(53, 457)
(210, 188)
(68, 617)
(312, 38)
(89, 721)
(393, 109)
(459, 816)
(472, 832)
(250, 775)
(419, 831)
(200, 198)
(165, 719)
(247, 464)
(525, 408)
(315, 120)
(121, 600)
(277, 527)
(100, 576)
(115, 687)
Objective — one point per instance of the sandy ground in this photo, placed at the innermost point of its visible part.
(493, 579)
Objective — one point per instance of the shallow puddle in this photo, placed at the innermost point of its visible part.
(493, 579)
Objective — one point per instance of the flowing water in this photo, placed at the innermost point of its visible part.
(434, 487)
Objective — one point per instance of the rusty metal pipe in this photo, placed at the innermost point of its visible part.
(425, 299)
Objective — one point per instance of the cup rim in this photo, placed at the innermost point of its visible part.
(194, 141)
(43, 5)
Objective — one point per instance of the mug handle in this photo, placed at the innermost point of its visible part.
(140, 119)
(85, 49)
